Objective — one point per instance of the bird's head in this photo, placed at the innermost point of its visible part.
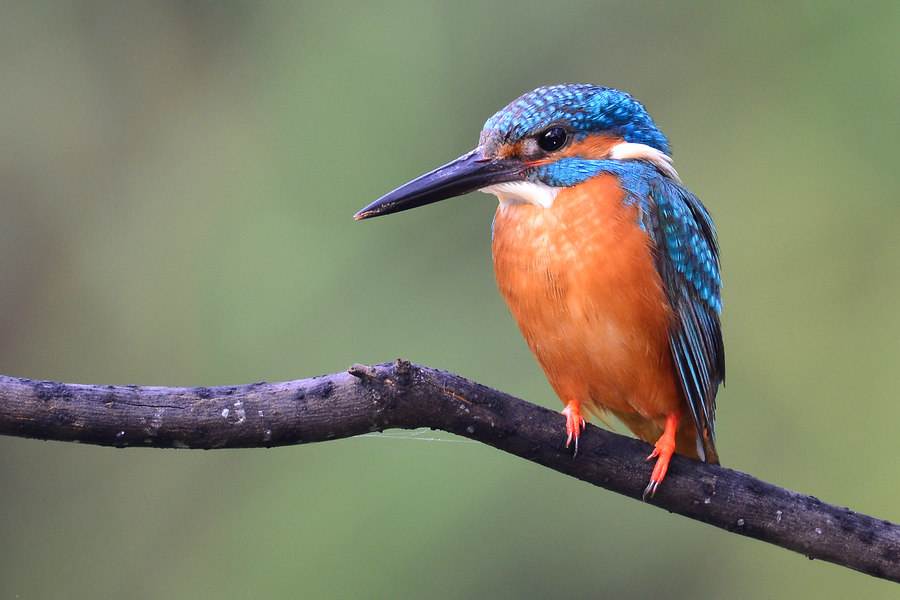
(550, 138)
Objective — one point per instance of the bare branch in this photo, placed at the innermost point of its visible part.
(402, 395)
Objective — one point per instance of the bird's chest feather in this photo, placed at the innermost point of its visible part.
(580, 280)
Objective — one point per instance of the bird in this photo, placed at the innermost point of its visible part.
(607, 262)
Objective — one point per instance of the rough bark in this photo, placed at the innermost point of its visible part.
(408, 396)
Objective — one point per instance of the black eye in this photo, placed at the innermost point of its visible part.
(553, 139)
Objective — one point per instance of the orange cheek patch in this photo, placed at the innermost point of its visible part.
(592, 147)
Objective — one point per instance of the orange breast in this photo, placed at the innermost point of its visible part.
(579, 279)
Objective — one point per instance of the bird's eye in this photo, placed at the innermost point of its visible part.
(552, 139)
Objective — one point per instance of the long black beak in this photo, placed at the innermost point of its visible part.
(466, 174)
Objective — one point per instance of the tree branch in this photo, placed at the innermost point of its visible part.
(403, 395)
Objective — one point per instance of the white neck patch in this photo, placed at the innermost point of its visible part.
(659, 159)
(523, 192)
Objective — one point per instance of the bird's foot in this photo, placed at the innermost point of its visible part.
(575, 424)
(662, 452)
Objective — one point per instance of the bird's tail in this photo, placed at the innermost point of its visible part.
(705, 441)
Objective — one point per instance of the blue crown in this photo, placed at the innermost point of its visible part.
(587, 109)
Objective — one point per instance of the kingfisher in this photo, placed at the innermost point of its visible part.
(607, 262)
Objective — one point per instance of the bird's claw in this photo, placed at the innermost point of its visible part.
(650, 490)
(575, 424)
(662, 451)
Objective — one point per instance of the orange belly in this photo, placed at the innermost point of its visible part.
(580, 280)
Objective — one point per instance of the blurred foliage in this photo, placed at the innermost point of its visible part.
(177, 185)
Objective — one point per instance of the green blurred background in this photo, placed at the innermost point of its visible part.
(177, 185)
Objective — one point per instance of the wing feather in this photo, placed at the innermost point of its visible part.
(687, 258)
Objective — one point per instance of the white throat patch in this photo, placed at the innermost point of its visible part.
(523, 192)
(659, 159)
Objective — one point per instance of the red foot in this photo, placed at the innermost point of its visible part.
(662, 452)
(575, 424)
